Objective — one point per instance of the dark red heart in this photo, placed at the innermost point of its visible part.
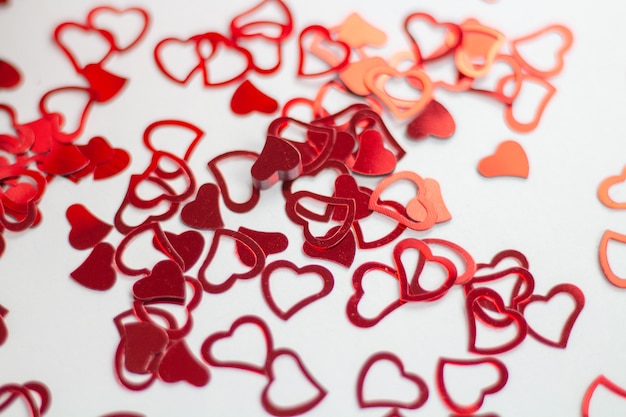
(188, 245)
(248, 98)
(144, 343)
(9, 75)
(87, 230)
(279, 160)
(204, 212)
(434, 120)
(372, 157)
(270, 242)
(165, 282)
(97, 272)
(4, 331)
(343, 253)
(178, 364)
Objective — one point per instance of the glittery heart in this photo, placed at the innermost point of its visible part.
(270, 242)
(343, 253)
(434, 120)
(285, 314)
(96, 272)
(87, 230)
(279, 160)
(509, 160)
(165, 282)
(404, 378)
(144, 343)
(187, 244)
(204, 212)
(179, 364)
(247, 98)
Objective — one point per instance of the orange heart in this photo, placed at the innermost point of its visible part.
(353, 76)
(426, 222)
(566, 36)
(479, 46)
(358, 33)
(433, 195)
(509, 117)
(401, 108)
(604, 259)
(606, 184)
(509, 160)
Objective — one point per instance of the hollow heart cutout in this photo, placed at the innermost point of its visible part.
(96, 272)
(301, 407)
(323, 47)
(203, 212)
(221, 182)
(165, 282)
(610, 235)
(323, 273)
(605, 186)
(352, 307)
(606, 383)
(509, 112)
(499, 383)
(451, 39)
(251, 21)
(414, 379)
(251, 246)
(179, 364)
(410, 289)
(579, 302)
(343, 253)
(512, 317)
(434, 120)
(87, 230)
(113, 21)
(182, 73)
(567, 40)
(209, 344)
(509, 160)
(4, 332)
(100, 44)
(248, 98)
(503, 257)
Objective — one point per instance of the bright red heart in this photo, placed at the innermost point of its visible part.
(165, 282)
(118, 162)
(472, 304)
(204, 212)
(270, 242)
(96, 272)
(346, 187)
(352, 308)
(322, 46)
(500, 382)
(323, 273)
(248, 98)
(62, 159)
(87, 230)
(179, 364)
(279, 160)
(144, 344)
(434, 120)
(293, 409)
(232, 205)
(104, 84)
(9, 75)
(422, 388)
(372, 157)
(208, 356)
(579, 302)
(606, 383)
(410, 289)
(114, 24)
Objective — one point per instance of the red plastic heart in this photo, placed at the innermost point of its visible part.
(87, 230)
(96, 272)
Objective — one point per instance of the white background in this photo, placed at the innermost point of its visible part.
(63, 335)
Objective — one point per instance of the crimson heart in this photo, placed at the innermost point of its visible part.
(165, 282)
(104, 84)
(62, 159)
(298, 408)
(352, 308)
(270, 242)
(87, 230)
(144, 343)
(279, 160)
(188, 245)
(410, 289)
(209, 343)
(323, 273)
(248, 98)
(178, 364)
(434, 120)
(372, 157)
(346, 187)
(342, 253)
(116, 164)
(9, 75)
(203, 212)
(500, 382)
(223, 186)
(97, 272)
(422, 388)
(4, 332)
